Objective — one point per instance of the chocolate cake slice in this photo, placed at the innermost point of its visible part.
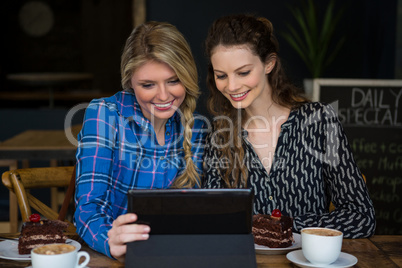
(34, 234)
(273, 231)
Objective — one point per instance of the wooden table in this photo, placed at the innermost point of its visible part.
(48, 145)
(378, 251)
(41, 145)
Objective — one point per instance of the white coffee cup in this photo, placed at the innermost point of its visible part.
(58, 255)
(321, 246)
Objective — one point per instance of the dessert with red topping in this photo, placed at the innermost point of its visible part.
(37, 232)
(274, 231)
(276, 214)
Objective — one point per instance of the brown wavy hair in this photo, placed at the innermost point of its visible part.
(162, 42)
(257, 34)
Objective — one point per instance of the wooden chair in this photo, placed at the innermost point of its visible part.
(20, 181)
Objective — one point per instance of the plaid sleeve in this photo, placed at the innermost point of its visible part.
(94, 197)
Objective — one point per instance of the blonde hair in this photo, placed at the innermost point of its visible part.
(161, 41)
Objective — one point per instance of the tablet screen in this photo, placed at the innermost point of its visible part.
(193, 211)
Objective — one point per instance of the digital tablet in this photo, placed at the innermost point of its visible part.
(193, 211)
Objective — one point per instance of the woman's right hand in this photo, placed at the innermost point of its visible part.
(125, 230)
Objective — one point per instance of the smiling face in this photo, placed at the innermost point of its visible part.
(240, 75)
(158, 90)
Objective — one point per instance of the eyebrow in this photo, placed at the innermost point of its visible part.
(241, 67)
(152, 81)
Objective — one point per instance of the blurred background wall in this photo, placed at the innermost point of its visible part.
(88, 36)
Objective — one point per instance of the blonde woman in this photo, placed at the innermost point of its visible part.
(145, 136)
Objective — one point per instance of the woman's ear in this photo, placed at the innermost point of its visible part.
(270, 64)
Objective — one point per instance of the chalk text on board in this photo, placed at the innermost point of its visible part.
(369, 107)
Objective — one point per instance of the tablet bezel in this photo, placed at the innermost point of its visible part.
(193, 211)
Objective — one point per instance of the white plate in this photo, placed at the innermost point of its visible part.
(270, 251)
(9, 250)
(345, 260)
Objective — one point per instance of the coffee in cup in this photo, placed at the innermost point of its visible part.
(321, 246)
(53, 249)
(58, 255)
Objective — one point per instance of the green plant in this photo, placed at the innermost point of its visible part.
(313, 42)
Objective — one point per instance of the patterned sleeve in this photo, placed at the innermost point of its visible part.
(354, 211)
(94, 196)
(211, 175)
(198, 143)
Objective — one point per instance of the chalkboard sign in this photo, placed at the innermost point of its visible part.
(370, 112)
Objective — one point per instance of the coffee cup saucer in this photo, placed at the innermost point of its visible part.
(345, 260)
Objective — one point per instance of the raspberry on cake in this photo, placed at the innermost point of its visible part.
(37, 232)
(274, 231)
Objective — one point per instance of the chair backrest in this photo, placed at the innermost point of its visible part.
(20, 181)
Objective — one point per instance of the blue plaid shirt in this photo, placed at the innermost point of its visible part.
(118, 151)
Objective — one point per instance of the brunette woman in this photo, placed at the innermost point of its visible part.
(293, 153)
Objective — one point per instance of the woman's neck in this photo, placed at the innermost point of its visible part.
(265, 114)
(260, 109)
(159, 127)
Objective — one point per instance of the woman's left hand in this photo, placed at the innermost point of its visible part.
(125, 230)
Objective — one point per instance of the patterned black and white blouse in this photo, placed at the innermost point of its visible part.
(313, 165)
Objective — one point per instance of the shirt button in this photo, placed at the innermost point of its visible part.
(167, 133)
(270, 197)
(161, 158)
